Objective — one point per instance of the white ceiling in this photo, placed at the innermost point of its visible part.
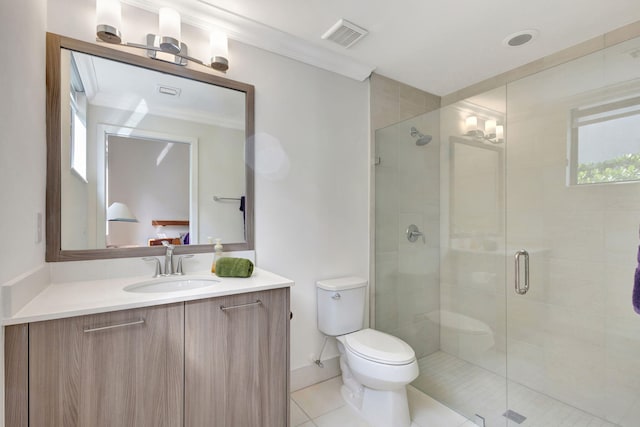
(134, 89)
(439, 46)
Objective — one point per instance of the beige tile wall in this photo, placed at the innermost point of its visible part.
(405, 190)
(392, 102)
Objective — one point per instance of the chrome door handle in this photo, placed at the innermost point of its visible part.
(521, 290)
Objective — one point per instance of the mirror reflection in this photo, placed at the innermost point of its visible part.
(148, 156)
(476, 188)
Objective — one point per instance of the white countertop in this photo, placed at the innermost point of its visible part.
(59, 300)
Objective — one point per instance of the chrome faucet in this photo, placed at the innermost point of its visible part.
(168, 258)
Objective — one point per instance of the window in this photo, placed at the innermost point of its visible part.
(605, 143)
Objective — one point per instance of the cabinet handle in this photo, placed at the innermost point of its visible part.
(119, 325)
(231, 307)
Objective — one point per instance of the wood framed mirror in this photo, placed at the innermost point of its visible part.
(172, 144)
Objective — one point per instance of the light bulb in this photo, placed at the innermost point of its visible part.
(219, 50)
(472, 123)
(490, 127)
(169, 29)
(109, 20)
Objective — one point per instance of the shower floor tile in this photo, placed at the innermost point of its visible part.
(472, 390)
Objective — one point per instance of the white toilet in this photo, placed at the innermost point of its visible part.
(376, 367)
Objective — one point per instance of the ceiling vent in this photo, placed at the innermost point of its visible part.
(168, 90)
(345, 33)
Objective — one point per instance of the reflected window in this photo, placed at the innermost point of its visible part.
(78, 145)
(605, 143)
(78, 124)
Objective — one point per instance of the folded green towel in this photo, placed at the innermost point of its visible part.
(233, 267)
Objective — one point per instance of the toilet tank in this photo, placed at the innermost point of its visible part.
(341, 305)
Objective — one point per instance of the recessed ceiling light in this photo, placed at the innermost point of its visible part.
(520, 38)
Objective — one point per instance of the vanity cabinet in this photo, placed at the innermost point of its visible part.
(237, 360)
(220, 362)
(121, 368)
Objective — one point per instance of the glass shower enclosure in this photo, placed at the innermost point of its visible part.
(505, 246)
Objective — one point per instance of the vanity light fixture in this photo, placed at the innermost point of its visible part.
(493, 132)
(166, 46)
(471, 124)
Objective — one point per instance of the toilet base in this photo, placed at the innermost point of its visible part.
(380, 408)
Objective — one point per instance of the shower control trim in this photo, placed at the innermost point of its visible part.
(521, 290)
(413, 233)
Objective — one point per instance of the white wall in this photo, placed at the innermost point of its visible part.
(22, 142)
(22, 149)
(312, 154)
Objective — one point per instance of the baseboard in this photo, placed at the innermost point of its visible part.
(313, 374)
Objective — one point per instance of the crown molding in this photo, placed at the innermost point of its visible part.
(205, 15)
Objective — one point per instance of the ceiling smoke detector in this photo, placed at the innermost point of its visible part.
(520, 38)
(345, 33)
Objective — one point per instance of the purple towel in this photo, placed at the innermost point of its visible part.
(636, 286)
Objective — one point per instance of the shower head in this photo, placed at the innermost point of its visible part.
(422, 138)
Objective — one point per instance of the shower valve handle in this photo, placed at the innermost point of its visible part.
(413, 233)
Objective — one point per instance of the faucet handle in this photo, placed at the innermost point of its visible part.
(158, 268)
(167, 245)
(179, 268)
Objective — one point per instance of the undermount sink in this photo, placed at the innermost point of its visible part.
(171, 284)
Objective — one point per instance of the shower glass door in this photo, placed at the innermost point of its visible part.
(573, 204)
(443, 290)
(517, 294)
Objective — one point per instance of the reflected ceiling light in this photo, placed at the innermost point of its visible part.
(119, 212)
(166, 46)
(493, 132)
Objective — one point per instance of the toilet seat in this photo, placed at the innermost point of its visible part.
(379, 347)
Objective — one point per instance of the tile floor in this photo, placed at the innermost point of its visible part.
(456, 383)
(321, 405)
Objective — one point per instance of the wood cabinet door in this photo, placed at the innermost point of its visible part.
(118, 369)
(237, 360)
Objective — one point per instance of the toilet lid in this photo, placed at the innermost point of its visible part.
(380, 347)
